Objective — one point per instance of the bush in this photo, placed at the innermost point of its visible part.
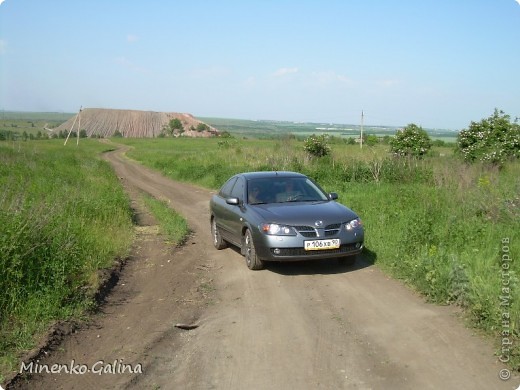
(371, 140)
(411, 141)
(351, 141)
(317, 145)
(494, 139)
(226, 134)
(202, 127)
(175, 124)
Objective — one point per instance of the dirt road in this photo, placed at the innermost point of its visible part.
(291, 326)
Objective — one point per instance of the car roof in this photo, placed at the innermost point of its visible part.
(270, 174)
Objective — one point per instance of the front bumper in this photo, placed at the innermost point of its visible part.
(291, 248)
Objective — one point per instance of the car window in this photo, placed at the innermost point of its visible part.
(259, 192)
(238, 189)
(225, 191)
(298, 190)
(314, 191)
(283, 189)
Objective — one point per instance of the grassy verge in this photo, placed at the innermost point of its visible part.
(63, 217)
(440, 225)
(171, 223)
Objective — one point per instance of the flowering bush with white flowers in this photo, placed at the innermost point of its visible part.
(494, 139)
(411, 141)
(317, 145)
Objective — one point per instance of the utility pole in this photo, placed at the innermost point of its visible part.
(72, 127)
(361, 137)
(79, 125)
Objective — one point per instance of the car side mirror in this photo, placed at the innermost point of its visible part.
(232, 201)
(333, 195)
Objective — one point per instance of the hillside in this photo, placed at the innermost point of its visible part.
(131, 123)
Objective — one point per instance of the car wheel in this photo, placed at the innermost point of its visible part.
(347, 261)
(218, 241)
(252, 260)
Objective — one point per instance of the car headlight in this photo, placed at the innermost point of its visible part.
(353, 224)
(274, 229)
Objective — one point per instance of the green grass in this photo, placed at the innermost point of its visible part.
(438, 224)
(63, 217)
(171, 223)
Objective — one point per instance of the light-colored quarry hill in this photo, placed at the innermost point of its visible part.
(132, 123)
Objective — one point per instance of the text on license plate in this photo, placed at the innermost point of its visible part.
(316, 245)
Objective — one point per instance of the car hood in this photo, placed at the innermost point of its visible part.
(305, 213)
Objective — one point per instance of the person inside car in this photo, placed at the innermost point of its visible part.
(289, 194)
(254, 195)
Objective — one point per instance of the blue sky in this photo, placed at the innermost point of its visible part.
(439, 63)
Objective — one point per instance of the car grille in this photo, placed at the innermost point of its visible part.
(300, 252)
(311, 232)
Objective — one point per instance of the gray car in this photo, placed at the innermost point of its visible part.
(281, 216)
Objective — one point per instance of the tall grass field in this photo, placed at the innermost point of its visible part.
(63, 217)
(449, 230)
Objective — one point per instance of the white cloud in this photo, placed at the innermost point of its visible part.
(285, 71)
(518, 1)
(390, 82)
(132, 38)
(1, 1)
(213, 72)
(126, 63)
(250, 82)
(327, 77)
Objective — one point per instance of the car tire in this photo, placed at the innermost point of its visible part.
(252, 260)
(218, 241)
(348, 261)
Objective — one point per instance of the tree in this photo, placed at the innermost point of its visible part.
(317, 145)
(411, 141)
(175, 124)
(493, 139)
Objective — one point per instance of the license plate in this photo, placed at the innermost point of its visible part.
(317, 245)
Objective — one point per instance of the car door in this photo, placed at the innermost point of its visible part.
(235, 213)
(221, 209)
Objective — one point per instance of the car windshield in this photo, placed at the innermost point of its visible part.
(283, 189)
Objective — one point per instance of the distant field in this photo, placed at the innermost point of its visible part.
(273, 129)
(30, 122)
(33, 122)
